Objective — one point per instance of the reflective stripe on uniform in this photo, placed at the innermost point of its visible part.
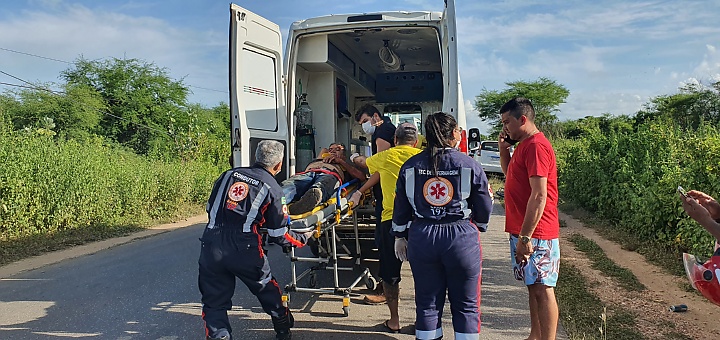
(276, 232)
(423, 335)
(399, 228)
(255, 208)
(410, 189)
(218, 201)
(466, 336)
(465, 176)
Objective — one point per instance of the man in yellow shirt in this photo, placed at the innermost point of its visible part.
(385, 167)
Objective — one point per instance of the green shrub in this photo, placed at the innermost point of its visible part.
(630, 178)
(49, 184)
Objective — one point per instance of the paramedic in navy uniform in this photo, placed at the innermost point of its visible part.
(242, 201)
(441, 205)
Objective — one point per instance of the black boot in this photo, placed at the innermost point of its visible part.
(282, 326)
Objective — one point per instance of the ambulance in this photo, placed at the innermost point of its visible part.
(402, 62)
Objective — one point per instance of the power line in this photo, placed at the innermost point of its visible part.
(33, 87)
(205, 88)
(27, 87)
(68, 62)
(35, 55)
(24, 81)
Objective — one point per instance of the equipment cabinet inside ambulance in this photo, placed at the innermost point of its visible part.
(404, 63)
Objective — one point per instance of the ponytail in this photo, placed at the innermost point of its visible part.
(439, 128)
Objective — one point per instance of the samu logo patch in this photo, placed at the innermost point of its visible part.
(238, 191)
(438, 191)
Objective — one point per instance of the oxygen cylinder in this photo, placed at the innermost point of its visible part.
(304, 134)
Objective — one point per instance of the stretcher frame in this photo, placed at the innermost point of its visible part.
(326, 231)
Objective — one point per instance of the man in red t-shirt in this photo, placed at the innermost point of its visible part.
(531, 199)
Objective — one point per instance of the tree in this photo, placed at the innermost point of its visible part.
(74, 113)
(145, 106)
(545, 94)
(694, 104)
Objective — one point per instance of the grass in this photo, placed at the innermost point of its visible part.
(581, 310)
(38, 244)
(662, 256)
(605, 265)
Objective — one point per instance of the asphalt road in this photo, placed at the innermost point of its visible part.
(147, 289)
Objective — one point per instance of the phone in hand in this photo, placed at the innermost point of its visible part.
(682, 191)
(509, 140)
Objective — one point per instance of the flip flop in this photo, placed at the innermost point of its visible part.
(388, 329)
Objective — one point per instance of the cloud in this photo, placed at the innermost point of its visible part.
(473, 118)
(514, 27)
(582, 104)
(709, 67)
(67, 32)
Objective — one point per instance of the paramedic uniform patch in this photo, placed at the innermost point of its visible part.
(238, 191)
(438, 191)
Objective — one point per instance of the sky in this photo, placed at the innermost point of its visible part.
(613, 56)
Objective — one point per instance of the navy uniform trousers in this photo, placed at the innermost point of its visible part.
(446, 256)
(225, 255)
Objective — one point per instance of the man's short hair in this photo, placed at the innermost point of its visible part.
(269, 153)
(518, 107)
(341, 145)
(367, 109)
(406, 134)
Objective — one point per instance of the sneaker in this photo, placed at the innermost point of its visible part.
(224, 337)
(307, 202)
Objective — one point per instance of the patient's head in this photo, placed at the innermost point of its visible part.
(337, 149)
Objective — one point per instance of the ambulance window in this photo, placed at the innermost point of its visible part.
(399, 114)
(259, 92)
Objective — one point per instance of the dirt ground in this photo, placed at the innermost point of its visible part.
(650, 307)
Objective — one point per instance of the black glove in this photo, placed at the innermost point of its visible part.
(287, 249)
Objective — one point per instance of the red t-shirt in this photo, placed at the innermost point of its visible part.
(534, 156)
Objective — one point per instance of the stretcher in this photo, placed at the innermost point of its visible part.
(328, 247)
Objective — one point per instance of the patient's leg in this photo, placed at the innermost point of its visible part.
(327, 185)
(320, 191)
(297, 185)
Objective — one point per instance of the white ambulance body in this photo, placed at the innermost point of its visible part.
(404, 63)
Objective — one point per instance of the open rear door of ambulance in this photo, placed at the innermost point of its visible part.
(451, 79)
(257, 95)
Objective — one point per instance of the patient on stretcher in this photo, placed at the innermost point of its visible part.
(307, 189)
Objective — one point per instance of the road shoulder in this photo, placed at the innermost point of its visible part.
(36, 262)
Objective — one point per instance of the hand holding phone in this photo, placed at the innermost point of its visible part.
(507, 139)
(682, 192)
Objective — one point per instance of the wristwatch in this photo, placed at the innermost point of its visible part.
(524, 239)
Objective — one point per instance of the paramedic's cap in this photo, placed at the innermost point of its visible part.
(406, 132)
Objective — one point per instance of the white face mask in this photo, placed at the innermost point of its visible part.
(368, 127)
(457, 145)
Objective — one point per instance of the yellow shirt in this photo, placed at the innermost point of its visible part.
(388, 163)
(421, 142)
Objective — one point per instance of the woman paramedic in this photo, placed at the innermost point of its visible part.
(442, 203)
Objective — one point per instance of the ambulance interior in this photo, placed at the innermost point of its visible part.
(397, 69)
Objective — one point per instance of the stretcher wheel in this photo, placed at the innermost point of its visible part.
(346, 311)
(370, 282)
(313, 280)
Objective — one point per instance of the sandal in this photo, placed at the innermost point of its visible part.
(388, 329)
